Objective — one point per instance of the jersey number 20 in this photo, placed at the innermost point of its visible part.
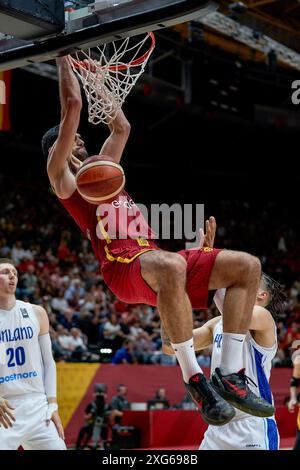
(15, 356)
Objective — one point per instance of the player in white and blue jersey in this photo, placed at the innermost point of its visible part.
(28, 405)
(245, 432)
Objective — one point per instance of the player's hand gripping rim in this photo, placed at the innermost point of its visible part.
(6, 417)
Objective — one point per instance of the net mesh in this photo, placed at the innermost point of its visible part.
(109, 72)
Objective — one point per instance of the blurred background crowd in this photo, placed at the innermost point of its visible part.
(58, 270)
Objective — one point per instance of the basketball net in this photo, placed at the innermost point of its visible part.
(109, 72)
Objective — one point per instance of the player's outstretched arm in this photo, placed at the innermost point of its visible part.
(58, 170)
(203, 337)
(49, 370)
(295, 383)
(119, 133)
(262, 322)
(207, 238)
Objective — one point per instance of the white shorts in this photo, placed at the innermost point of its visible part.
(30, 429)
(251, 433)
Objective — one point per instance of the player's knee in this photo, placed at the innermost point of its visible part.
(164, 270)
(173, 268)
(254, 266)
(249, 266)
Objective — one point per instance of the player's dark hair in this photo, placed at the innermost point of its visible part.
(48, 139)
(277, 296)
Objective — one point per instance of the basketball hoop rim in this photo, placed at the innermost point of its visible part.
(140, 60)
(135, 63)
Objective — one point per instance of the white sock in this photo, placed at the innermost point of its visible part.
(186, 357)
(232, 353)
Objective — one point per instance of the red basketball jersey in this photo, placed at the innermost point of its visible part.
(111, 227)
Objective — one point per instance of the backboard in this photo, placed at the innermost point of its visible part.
(90, 23)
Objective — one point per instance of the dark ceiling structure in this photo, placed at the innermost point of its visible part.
(279, 19)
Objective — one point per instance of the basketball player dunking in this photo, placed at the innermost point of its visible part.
(28, 406)
(138, 272)
(245, 432)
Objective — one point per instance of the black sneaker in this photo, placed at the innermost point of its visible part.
(234, 389)
(213, 408)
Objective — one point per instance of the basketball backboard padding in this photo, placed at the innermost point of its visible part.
(31, 19)
(127, 19)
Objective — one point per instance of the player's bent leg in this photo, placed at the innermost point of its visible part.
(240, 273)
(166, 274)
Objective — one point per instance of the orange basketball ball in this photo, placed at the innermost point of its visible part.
(100, 179)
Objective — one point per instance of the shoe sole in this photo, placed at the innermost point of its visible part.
(211, 421)
(216, 423)
(242, 406)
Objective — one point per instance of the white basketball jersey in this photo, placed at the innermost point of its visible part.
(257, 361)
(21, 365)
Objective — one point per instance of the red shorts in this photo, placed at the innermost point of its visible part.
(124, 277)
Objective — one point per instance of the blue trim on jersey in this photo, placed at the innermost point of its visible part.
(265, 434)
(272, 434)
(252, 359)
(263, 384)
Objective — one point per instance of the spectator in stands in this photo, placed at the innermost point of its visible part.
(58, 352)
(88, 302)
(292, 334)
(74, 292)
(59, 303)
(112, 333)
(160, 401)
(4, 248)
(144, 347)
(90, 263)
(29, 281)
(63, 340)
(18, 253)
(55, 279)
(164, 359)
(63, 252)
(125, 355)
(77, 344)
(69, 319)
(53, 320)
(119, 403)
(89, 323)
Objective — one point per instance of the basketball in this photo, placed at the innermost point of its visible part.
(100, 179)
